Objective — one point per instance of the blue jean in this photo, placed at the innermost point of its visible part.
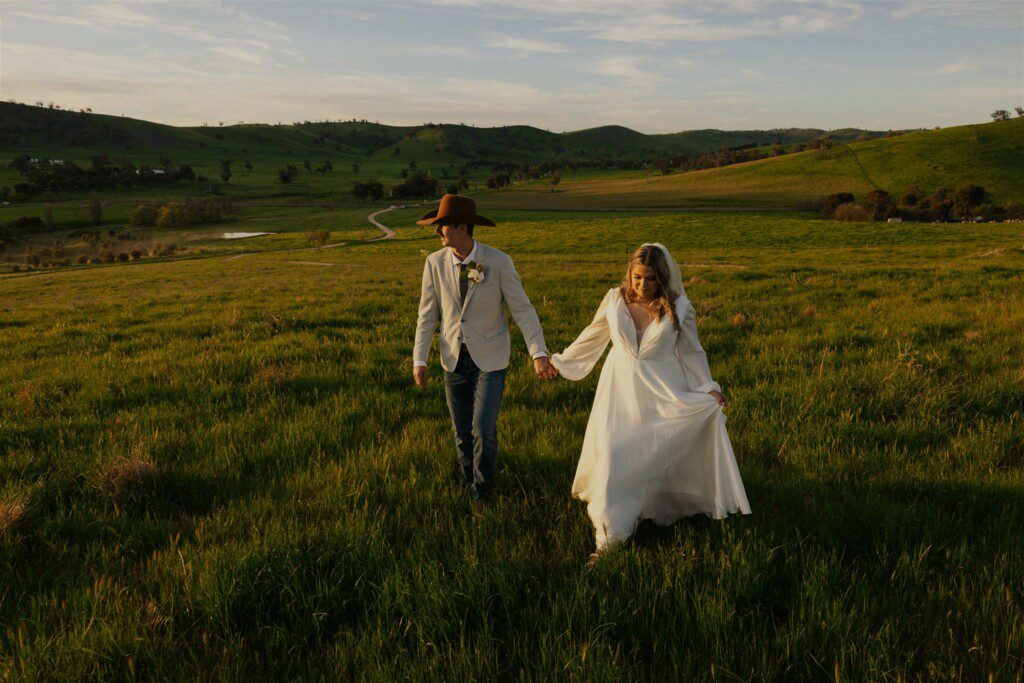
(474, 398)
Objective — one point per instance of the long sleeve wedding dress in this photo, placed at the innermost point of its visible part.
(656, 446)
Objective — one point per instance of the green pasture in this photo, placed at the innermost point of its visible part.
(221, 469)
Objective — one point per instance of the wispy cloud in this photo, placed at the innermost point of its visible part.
(498, 40)
(954, 68)
(973, 13)
(625, 67)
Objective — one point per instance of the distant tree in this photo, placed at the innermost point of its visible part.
(328, 166)
(1020, 111)
(852, 212)
(1000, 115)
(498, 181)
(308, 165)
(452, 189)
(371, 189)
(165, 163)
(22, 164)
(225, 170)
(359, 190)
(910, 198)
(412, 165)
(556, 178)
(48, 216)
(355, 167)
(375, 189)
(287, 173)
(965, 199)
(879, 204)
(462, 183)
(833, 201)
(95, 209)
(404, 173)
(248, 165)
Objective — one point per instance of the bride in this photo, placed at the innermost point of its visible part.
(656, 445)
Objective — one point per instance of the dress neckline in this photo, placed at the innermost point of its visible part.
(638, 335)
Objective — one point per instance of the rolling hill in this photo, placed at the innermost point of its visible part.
(41, 131)
(989, 154)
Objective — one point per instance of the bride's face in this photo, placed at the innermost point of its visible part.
(643, 281)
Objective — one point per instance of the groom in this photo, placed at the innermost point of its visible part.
(464, 286)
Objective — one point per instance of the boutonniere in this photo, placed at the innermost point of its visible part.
(474, 272)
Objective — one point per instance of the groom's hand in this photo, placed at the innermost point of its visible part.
(419, 374)
(544, 369)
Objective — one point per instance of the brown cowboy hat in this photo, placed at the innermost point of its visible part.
(455, 209)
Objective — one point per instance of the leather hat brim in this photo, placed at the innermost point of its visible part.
(466, 218)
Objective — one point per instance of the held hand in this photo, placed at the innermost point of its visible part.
(722, 401)
(419, 374)
(544, 369)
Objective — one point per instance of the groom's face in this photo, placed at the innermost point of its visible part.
(452, 235)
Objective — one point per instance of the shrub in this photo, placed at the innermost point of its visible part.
(82, 259)
(1015, 211)
(990, 212)
(852, 213)
(171, 215)
(108, 257)
(880, 204)
(833, 201)
(965, 198)
(95, 260)
(136, 254)
(910, 198)
(144, 214)
(16, 268)
(122, 257)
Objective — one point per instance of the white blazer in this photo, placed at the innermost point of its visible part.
(479, 322)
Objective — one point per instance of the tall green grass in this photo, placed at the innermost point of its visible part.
(301, 520)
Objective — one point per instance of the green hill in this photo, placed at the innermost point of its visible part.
(41, 131)
(989, 154)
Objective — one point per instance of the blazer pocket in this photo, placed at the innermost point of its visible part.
(495, 335)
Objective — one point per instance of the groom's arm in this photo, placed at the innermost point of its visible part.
(426, 323)
(524, 314)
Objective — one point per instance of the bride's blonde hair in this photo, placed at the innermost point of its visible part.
(650, 255)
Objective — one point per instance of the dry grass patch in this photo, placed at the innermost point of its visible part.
(695, 280)
(740, 320)
(13, 516)
(810, 312)
(129, 477)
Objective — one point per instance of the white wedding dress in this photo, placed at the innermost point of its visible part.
(656, 446)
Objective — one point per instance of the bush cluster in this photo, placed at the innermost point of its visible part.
(41, 177)
(965, 203)
(178, 214)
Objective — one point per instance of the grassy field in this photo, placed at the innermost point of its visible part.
(220, 468)
(990, 155)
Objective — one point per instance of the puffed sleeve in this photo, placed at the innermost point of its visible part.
(582, 355)
(690, 352)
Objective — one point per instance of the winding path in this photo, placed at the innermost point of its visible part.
(388, 234)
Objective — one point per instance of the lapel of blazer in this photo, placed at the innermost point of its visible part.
(445, 272)
(481, 259)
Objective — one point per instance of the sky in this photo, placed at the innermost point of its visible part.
(656, 66)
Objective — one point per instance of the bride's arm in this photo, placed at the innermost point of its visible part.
(582, 355)
(691, 353)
